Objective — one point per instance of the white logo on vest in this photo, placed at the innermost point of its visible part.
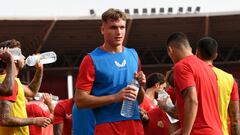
(120, 65)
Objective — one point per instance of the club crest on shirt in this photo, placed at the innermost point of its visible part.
(160, 124)
(68, 116)
(123, 64)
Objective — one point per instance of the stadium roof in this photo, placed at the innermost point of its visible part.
(73, 37)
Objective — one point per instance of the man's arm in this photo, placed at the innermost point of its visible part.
(7, 86)
(9, 121)
(172, 111)
(141, 94)
(32, 89)
(85, 100)
(58, 129)
(48, 101)
(233, 111)
(190, 109)
(142, 81)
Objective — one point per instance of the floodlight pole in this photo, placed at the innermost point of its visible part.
(206, 28)
(129, 26)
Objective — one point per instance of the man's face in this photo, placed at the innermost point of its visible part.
(114, 32)
(20, 64)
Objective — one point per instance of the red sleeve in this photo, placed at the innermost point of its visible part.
(33, 110)
(59, 113)
(86, 74)
(234, 94)
(139, 65)
(144, 104)
(183, 77)
(14, 96)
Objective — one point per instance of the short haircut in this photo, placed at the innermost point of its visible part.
(113, 14)
(154, 78)
(207, 48)
(179, 38)
(170, 78)
(10, 44)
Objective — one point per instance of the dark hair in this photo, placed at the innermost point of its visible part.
(113, 14)
(10, 44)
(179, 38)
(170, 78)
(207, 47)
(154, 78)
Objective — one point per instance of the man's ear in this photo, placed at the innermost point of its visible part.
(170, 49)
(157, 85)
(102, 29)
(215, 56)
(197, 53)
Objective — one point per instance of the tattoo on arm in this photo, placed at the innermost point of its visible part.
(233, 110)
(7, 120)
(7, 86)
(189, 109)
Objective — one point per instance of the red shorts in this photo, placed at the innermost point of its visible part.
(128, 127)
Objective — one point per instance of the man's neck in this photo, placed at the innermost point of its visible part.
(209, 62)
(112, 49)
(150, 93)
(182, 55)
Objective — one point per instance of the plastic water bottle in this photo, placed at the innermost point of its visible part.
(43, 58)
(39, 96)
(128, 105)
(163, 95)
(16, 53)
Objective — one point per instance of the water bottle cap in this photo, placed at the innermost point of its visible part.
(32, 60)
(134, 82)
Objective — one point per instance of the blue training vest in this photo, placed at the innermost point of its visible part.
(113, 71)
(83, 121)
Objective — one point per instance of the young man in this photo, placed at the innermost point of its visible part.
(13, 118)
(63, 117)
(103, 76)
(158, 120)
(228, 89)
(40, 108)
(196, 89)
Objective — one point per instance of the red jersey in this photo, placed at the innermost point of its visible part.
(63, 114)
(13, 97)
(147, 104)
(192, 71)
(34, 110)
(158, 122)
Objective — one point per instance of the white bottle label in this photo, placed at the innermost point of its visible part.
(134, 87)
